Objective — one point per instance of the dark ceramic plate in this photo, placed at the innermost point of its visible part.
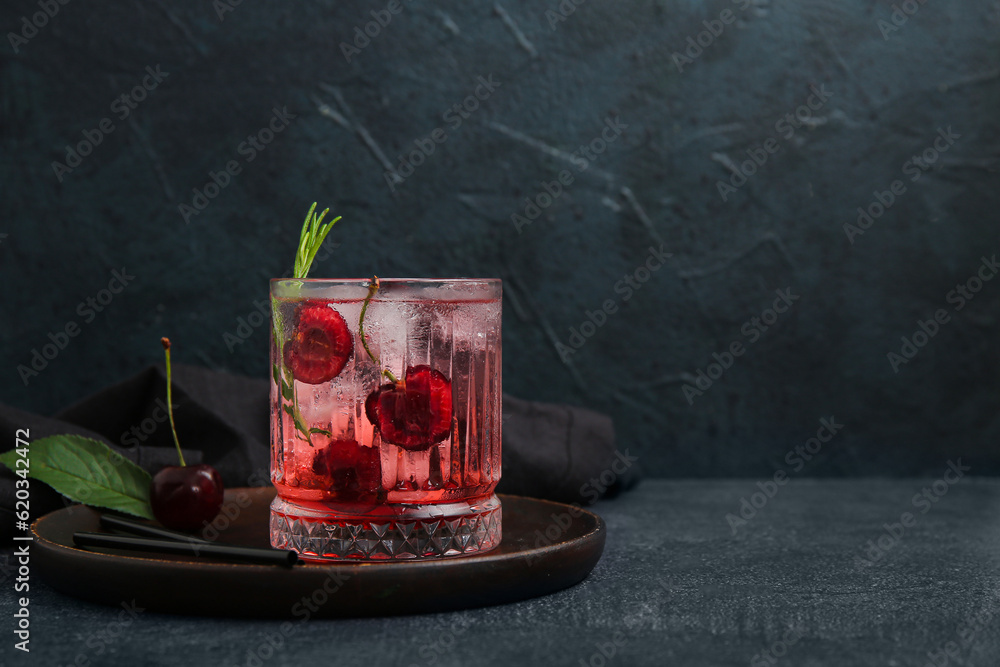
(546, 547)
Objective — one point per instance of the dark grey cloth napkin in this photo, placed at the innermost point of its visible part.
(550, 451)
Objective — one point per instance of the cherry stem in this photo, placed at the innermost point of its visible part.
(372, 288)
(170, 405)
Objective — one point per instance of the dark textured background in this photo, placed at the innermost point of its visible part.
(656, 184)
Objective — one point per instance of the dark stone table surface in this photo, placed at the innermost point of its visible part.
(797, 584)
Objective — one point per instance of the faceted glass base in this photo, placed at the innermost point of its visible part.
(386, 532)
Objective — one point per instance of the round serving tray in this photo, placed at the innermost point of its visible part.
(546, 547)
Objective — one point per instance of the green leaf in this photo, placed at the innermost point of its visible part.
(325, 432)
(296, 419)
(87, 471)
(286, 389)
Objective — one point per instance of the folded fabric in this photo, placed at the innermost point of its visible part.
(550, 451)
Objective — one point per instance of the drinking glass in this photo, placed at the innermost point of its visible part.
(385, 417)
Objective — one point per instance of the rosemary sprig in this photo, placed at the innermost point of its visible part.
(312, 237)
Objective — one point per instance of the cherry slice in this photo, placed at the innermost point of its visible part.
(320, 347)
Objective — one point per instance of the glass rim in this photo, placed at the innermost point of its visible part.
(393, 281)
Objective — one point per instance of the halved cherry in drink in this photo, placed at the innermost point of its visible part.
(320, 346)
(350, 471)
(415, 413)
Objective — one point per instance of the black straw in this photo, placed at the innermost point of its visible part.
(146, 530)
(252, 554)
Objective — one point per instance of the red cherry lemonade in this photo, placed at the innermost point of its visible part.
(386, 430)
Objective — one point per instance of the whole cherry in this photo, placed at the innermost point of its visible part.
(184, 497)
